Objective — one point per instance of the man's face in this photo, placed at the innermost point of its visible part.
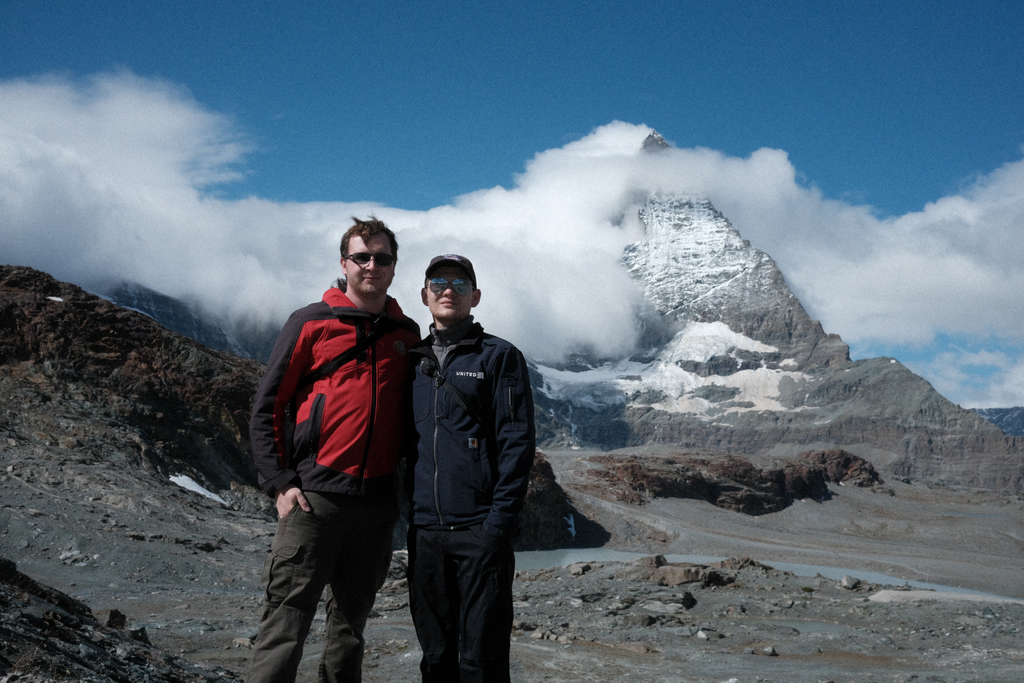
(449, 307)
(371, 280)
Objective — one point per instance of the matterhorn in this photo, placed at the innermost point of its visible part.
(731, 363)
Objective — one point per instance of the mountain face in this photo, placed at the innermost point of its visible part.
(84, 379)
(731, 362)
(1010, 420)
(190, 320)
(718, 294)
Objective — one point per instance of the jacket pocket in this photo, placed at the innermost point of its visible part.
(488, 468)
(513, 401)
(307, 434)
(422, 397)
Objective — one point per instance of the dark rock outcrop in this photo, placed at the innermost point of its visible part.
(544, 521)
(728, 482)
(844, 468)
(46, 635)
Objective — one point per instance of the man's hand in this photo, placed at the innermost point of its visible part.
(287, 498)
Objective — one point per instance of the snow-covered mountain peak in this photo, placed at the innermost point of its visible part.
(691, 260)
(654, 142)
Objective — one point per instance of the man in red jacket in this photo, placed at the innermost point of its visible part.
(326, 432)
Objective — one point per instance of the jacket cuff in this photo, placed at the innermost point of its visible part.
(279, 481)
(506, 530)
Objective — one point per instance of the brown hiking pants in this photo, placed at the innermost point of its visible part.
(345, 544)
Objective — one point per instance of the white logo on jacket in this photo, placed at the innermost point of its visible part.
(474, 375)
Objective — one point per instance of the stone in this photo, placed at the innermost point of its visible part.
(849, 582)
(578, 568)
(675, 575)
(111, 618)
(138, 634)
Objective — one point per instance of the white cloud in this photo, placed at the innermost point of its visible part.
(113, 176)
(976, 377)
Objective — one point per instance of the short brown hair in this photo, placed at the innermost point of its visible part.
(367, 229)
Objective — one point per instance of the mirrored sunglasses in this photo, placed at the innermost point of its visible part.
(461, 287)
(362, 258)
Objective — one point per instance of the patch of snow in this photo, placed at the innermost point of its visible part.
(703, 341)
(595, 389)
(55, 298)
(671, 386)
(189, 483)
(758, 387)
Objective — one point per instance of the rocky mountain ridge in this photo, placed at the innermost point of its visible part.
(103, 382)
(1010, 420)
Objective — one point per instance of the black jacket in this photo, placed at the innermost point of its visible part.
(471, 466)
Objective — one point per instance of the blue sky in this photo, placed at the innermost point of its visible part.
(892, 136)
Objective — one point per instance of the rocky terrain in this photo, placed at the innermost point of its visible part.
(105, 383)
(153, 582)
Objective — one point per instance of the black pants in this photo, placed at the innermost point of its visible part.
(460, 594)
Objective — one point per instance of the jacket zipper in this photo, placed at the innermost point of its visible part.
(437, 469)
(372, 359)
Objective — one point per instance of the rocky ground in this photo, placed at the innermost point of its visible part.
(183, 570)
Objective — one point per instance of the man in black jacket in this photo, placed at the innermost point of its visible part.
(473, 414)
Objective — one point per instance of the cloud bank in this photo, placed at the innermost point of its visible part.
(117, 177)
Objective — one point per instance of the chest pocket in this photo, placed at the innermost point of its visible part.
(422, 395)
(468, 393)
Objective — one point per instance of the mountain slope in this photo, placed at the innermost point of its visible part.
(249, 341)
(1010, 420)
(81, 374)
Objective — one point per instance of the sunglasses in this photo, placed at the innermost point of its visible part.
(461, 287)
(363, 258)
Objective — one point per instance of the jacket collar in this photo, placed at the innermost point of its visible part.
(341, 305)
(472, 338)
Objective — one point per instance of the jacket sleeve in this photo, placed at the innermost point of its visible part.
(515, 435)
(288, 360)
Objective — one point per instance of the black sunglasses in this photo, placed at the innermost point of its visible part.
(362, 258)
(461, 287)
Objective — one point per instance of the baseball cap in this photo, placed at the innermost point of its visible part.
(453, 260)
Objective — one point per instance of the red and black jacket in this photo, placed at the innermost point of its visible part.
(342, 432)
